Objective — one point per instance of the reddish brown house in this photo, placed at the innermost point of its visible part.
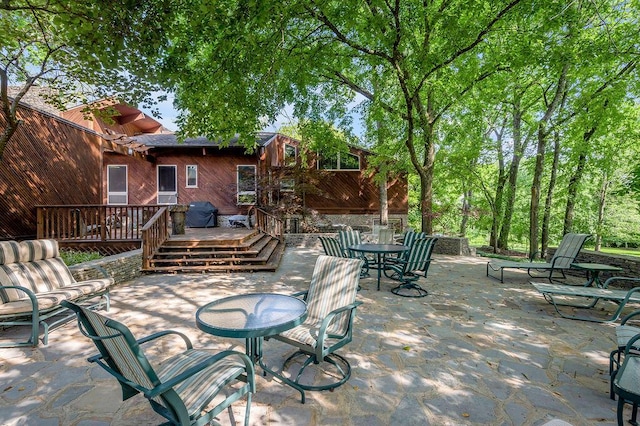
(134, 160)
(322, 191)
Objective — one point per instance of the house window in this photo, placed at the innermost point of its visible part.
(340, 161)
(192, 176)
(289, 155)
(246, 185)
(117, 185)
(167, 185)
(287, 185)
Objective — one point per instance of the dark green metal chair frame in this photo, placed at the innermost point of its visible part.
(335, 329)
(409, 269)
(348, 238)
(625, 382)
(181, 387)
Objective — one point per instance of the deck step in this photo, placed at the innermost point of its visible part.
(259, 252)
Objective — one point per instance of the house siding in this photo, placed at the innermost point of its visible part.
(216, 176)
(48, 161)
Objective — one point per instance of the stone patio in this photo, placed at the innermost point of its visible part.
(473, 352)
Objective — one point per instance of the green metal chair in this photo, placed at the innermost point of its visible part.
(385, 236)
(179, 388)
(624, 333)
(411, 268)
(626, 382)
(348, 238)
(331, 247)
(331, 306)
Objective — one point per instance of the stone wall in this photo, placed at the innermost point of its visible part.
(445, 245)
(122, 267)
(630, 264)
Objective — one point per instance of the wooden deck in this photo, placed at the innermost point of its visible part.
(217, 234)
(217, 250)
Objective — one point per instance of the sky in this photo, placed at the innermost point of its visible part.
(169, 116)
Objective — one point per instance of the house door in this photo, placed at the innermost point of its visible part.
(117, 185)
(167, 185)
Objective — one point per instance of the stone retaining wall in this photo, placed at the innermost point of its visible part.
(445, 245)
(630, 264)
(122, 267)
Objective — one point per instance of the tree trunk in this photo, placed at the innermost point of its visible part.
(543, 132)
(601, 208)
(466, 211)
(546, 217)
(574, 184)
(498, 203)
(384, 202)
(510, 192)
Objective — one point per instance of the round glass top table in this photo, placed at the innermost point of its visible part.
(253, 316)
(379, 250)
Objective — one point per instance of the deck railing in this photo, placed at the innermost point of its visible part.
(93, 222)
(154, 233)
(269, 224)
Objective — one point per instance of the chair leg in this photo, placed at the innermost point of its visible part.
(342, 366)
(411, 287)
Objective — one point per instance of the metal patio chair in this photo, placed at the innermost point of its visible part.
(626, 382)
(352, 237)
(564, 256)
(331, 306)
(409, 269)
(181, 387)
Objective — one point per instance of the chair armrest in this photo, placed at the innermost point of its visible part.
(29, 293)
(630, 344)
(154, 336)
(555, 259)
(146, 339)
(611, 279)
(630, 317)
(331, 315)
(98, 268)
(171, 383)
(301, 293)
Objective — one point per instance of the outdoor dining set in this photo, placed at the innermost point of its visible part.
(185, 388)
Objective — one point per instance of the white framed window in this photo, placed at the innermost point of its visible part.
(117, 184)
(289, 155)
(192, 176)
(246, 185)
(167, 184)
(340, 161)
(287, 185)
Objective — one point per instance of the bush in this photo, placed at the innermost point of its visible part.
(73, 257)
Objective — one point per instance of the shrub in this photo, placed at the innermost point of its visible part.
(73, 257)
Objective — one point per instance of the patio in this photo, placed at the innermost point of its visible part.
(473, 351)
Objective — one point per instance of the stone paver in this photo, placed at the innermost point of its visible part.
(473, 352)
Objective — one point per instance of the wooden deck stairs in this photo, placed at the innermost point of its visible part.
(245, 251)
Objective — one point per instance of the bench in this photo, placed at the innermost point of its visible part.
(34, 280)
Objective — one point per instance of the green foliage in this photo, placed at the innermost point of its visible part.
(73, 257)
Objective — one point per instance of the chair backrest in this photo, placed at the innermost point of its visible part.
(385, 236)
(331, 246)
(568, 249)
(419, 255)
(411, 236)
(334, 284)
(118, 348)
(348, 238)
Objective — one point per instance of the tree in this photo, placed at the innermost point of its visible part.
(424, 58)
(79, 51)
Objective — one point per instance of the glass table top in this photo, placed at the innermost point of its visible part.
(251, 315)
